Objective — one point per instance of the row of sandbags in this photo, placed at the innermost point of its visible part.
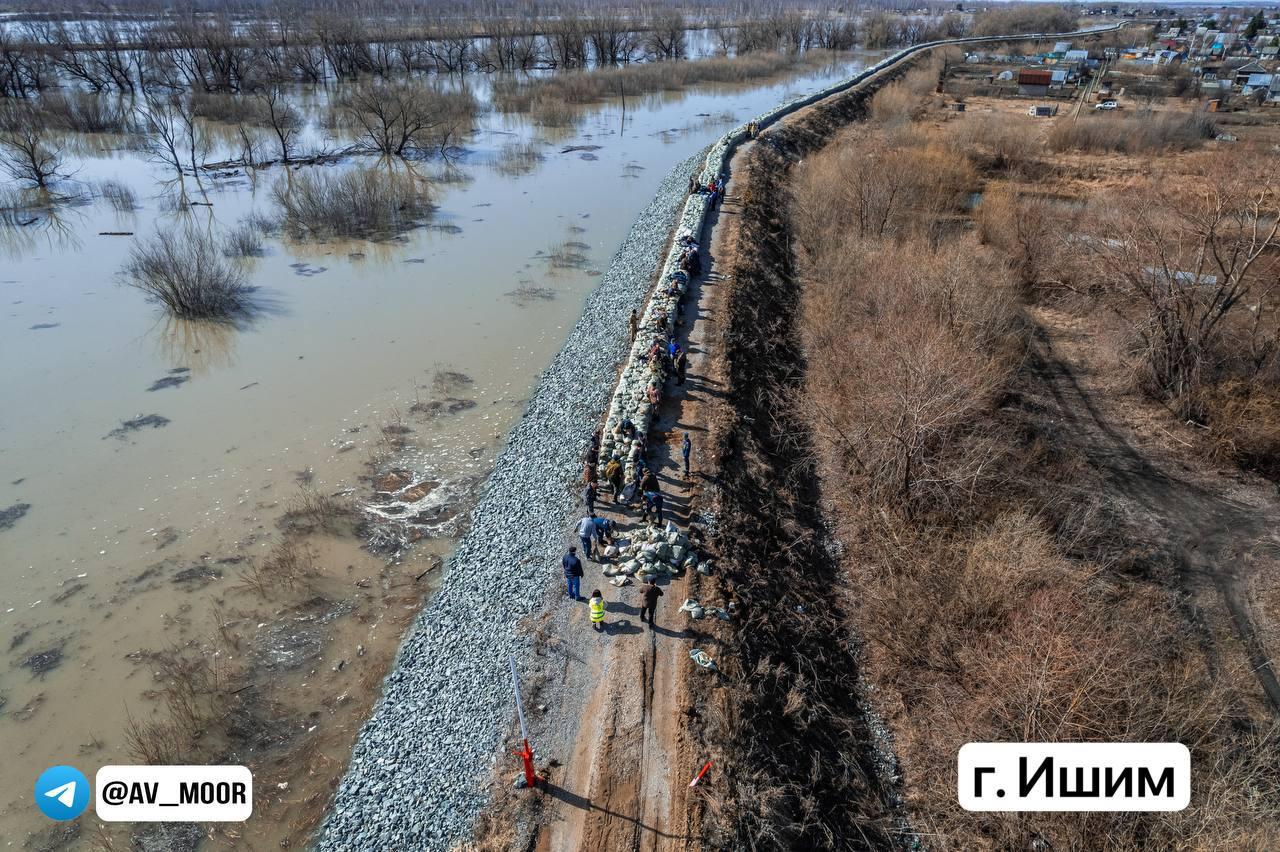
(631, 397)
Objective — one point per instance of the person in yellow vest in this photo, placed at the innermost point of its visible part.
(597, 610)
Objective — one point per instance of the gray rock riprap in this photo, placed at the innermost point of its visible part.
(420, 768)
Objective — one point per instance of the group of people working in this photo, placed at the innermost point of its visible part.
(665, 358)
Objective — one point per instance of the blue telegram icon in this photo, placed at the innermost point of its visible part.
(62, 792)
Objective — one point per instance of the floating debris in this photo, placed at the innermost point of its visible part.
(11, 515)
(171, 381)
(43, 662)
(142, 421)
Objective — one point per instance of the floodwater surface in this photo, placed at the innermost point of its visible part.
(147, 461)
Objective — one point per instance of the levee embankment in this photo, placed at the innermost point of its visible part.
(420, 770)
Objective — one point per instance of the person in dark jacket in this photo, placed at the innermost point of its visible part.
(686, 446)
(572, 573)
(682, 364)
(589, 498)
(649, 594)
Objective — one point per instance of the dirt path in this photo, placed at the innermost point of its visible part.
(625, 783)
(1203, 524)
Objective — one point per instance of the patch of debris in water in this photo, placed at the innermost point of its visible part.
(292, 642)
(13, 514)
(42, 662)
(142, 421)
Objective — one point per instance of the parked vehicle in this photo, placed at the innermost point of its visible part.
(1107, 105)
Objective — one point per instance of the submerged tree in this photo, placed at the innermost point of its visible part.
(25, 150)
(402, 119)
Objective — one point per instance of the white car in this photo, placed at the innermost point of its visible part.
(1107, 105)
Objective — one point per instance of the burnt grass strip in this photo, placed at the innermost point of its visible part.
(798, 767)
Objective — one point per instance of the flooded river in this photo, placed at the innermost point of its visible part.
(146, 463)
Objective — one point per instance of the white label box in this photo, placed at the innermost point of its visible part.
(1074, 776)
(174, 793)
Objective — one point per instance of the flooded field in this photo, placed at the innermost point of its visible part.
(150, 467)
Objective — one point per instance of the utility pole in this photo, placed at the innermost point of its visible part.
(530, 779)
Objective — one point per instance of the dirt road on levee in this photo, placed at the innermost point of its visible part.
(1212, 531)
(625, 785)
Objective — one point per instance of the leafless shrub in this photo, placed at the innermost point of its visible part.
(557, 101)
(16, 206)
(518, 158)
(528, 293)
(225, 107)
(364, 203)
(1198, 269)
(309, 509)
(183, 270)
(85, 112)
(243, 241)
(1025, 18)
(288, 563)
(957, 579)
(1033, 234)
(121, 198)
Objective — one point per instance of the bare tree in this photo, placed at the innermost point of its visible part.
(402, 118)
(25, 151)
(1195, 261)
(567, 42)
(21, 66)
(665, 38)
(612, 40)
(162, 125)
(282, 117)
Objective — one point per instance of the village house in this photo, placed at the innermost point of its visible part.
(1034, 81)
(1244, 72)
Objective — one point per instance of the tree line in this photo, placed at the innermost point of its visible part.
(230, 50)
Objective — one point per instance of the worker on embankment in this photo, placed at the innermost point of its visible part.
(613, 474)
(572, 573)
(587, 533)
(649, 594)
(597, 610)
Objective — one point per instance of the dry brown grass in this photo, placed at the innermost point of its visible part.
(954, 517)
(1143, 133)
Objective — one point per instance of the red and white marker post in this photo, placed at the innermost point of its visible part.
(525, 754)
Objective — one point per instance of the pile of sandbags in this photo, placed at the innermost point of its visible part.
(654, 552)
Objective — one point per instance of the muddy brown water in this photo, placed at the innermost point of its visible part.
(135, 538)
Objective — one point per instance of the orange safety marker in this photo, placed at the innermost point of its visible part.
(698, 777)
(525, 754)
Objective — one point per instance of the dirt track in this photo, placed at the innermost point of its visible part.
(1202, 524)
(625, 786)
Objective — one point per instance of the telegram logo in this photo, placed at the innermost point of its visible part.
(62, 792)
